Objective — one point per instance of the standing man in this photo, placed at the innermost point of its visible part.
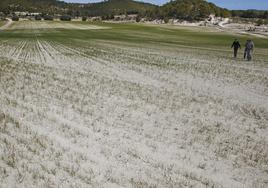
(236, 45)
(249, 47)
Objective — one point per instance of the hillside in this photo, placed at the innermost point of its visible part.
(117, 7)
(180, 9)
(90, 9)
(188, 10)
(32, 5)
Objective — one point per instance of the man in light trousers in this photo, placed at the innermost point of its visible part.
(249, 47)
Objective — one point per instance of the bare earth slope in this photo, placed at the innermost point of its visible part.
(97, 113)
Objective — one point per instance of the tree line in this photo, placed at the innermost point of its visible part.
(250, 14)
(190, 10)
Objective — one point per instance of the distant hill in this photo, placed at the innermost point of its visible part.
(188, 10)
(180, 9)
(117, 7)
(90, 9)
(32, 5)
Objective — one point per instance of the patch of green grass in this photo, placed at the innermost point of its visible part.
(141, 34)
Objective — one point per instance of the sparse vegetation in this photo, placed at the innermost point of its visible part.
(90, 104)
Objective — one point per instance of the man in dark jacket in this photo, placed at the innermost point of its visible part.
(236, 45)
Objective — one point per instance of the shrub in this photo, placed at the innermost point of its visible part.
(138, 19)
(166, 19)
(84, 18)
(65, 18)
(38, 17)
(15, 18)
(48, 17)
(104, 17)
(260, 22)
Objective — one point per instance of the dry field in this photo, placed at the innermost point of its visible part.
(93, 110)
